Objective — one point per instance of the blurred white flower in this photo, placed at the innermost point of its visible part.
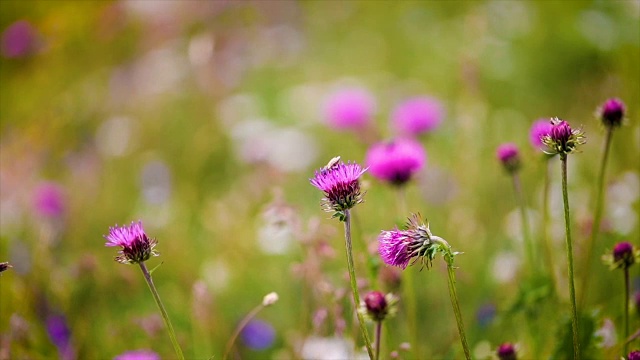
(112, 136)
(328, 348)
(505, 266)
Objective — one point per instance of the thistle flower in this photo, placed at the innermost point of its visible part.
(377, 306)
(506, 351)
(138, 355)
(136, 246)
(634, 355)
(18, 40)
(509, 156)
(417, 116)
(539, 129)
(49, 201)
(396, 161)
(562, 139)
(623, 256)
(399, 247)
(612, 112)
(349, 109)
(340, 183)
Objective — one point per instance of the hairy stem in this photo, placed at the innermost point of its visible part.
(456, 306)
(597, 218)
(572, 289)
(165, 316)
(378, 338)
(352, 278)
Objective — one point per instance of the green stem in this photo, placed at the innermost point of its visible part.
(517, 187)
(456, 306)
(352, 278)
(165, 316)
(378, 338)
(597, 218)
(239, 328)
(572, 290)
(626, 311)
(545, 222)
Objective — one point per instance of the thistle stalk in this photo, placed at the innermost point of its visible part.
(572, 290)
(165, 316)
(626, 311)
(378, 338)
(352, 278)
(597, 217)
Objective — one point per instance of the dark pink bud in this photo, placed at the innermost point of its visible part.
(612, 112)
(509, 156)
(376, 305)
(506, 351)
(634, 355)
(623, 254)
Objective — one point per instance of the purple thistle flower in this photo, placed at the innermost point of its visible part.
(562, 139)
(49, 200)
(509, 156)
(623, 255)
(350, 109)
(340, 183)
(138, 355)
(417, 116)
(399, 247)
(634, 355)
(539, 129)
(506, 351)
(136, 246)
(612, 112)
(396, 161)
(258, 335)
(18, 40)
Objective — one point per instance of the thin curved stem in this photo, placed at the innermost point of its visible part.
(352, 278)
(378, 338)
(597, 218)
(626, 311)
(572, 289)
(456, 306)
(165, 316)
(239, 328)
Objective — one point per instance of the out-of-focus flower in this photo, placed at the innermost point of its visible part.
(138, 355)
(270, 299)
(562, 139)
(136, 246)
(258, 335)
(396, 161)
(485, 314)
(417, 116)
(350, 109)
(606, 334)
(377, 306)
(612, 112)
(506, 351)
(623, 256)
(634, 355)
(60, 335)
(539, 129)
(18, 40)
(340, 183)
(509, 156)
(319, 348)
(49, 200)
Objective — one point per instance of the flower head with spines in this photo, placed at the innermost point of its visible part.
(340, 184)
(561, 139)
(136, 245)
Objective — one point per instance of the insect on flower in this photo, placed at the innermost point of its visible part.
(333, 162)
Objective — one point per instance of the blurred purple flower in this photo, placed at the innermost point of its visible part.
(258, 335)
(612, 112)
(509, 156)
(417, 116)
(349, 109)
(506, 351)
(396, 161)
(138, 355)
(49, 200)
(539, 128)
(60, 335)
(623, 255)
(18, 40)
(136, 246)
(634, 355)
(340, 183)
(485, 314)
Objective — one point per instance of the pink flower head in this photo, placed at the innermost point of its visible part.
(18, 40)
(539, 129)
(340, 183)
(376, 304)
(562, 139)
(49, 200)
(138, 355)
(396, 161)
(612, 112)
(349, 109)
(136, 246)
(509, 156)
(634, 355)
(395, 248)
(417, 116)
(623, 254)
(506, 351)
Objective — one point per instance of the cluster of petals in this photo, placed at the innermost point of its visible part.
(136, 245)
(394, 247)
(340, 184)
(417, 116)
(509, 156)
(396, 161)
(562, 139)
(539, 129)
